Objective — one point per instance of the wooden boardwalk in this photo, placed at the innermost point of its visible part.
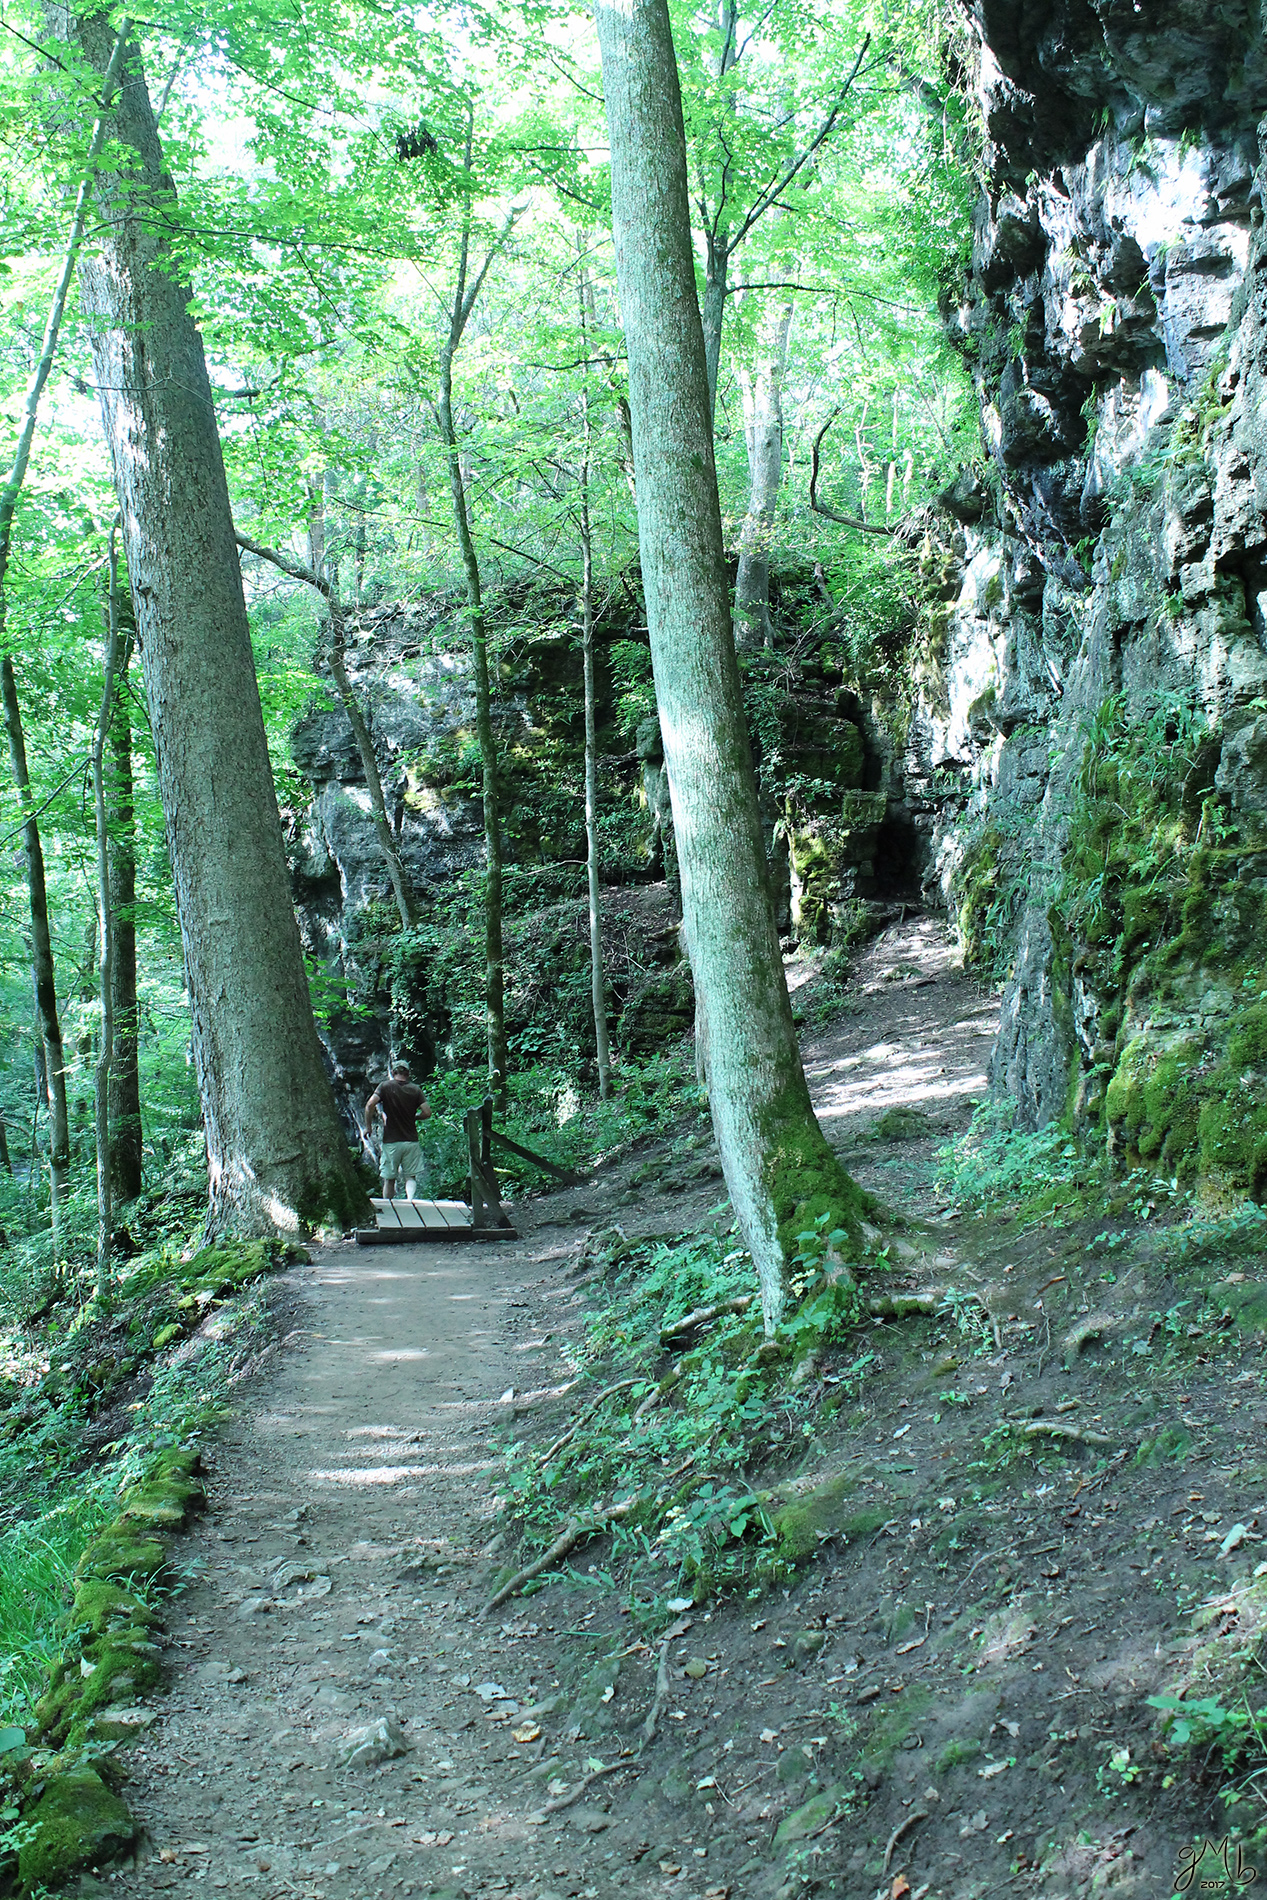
(424, 1221)
(485, 1219)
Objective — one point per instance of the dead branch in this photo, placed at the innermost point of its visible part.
(821, 508)
(903, 1827)
(703, 1316)
(661, 1696)
(595, 1774)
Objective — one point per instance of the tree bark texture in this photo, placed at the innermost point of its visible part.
(779, 1169)
(105, 933)
(48, 1020)
(602, 1043)
(278, 1160)
(125, 1073)
(763, 433)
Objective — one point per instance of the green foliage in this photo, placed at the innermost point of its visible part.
(1000, 1167)
(58, 1379)
(714, 1414)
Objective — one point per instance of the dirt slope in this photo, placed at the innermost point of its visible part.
(934, 1707)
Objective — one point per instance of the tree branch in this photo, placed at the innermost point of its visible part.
(772, 191)
(821, 508)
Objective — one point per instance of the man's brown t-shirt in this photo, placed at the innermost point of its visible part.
(400, 1102)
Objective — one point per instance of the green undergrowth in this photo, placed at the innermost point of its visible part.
(682, 1426)
(1212, 1721)
(1034, 1175)
(87, 1395)
(102, 1403)
(548, 1113)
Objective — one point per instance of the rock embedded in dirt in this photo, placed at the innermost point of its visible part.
(381, 1741)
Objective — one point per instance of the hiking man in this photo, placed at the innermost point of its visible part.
(400, 1102)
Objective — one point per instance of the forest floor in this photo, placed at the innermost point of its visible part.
(951, 1705)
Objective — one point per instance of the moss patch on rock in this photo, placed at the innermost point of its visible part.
(77, 1822)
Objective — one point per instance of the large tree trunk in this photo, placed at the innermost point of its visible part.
(779, 1169)
(125, 1074)
(763, 433)
(278, 1160)
(602, 1041)
(49, 1022)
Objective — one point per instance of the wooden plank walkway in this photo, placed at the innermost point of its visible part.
(426, 1221)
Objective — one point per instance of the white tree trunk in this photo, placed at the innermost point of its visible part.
(277, 1157)
(779, 1169)
(763, 433)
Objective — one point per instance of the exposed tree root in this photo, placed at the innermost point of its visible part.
(702, 1317)
(929, 1301)
(903, 1827)
(624, 1385)
(1052, 1428)
(647, 1732)
(577, 1528)
(661, 1696)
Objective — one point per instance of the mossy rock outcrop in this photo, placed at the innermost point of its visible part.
(1195, 1105)
(77, 1822)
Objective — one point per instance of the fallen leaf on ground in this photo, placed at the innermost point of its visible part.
(527, 1731)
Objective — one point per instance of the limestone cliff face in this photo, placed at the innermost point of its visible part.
(1091, 715)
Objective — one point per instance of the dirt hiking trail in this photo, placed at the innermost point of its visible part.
(342, 1720)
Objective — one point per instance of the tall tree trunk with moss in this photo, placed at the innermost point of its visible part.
(105, 932)
(763, 434)
(125, 1073)
(466, 291)
(779, 1169)
(602, 1043)
(278, 1159)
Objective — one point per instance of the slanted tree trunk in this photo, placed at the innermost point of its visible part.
(779, 1169)
(125, 1073)
(602, 1043)
(465, 293)
(336, 653)
(277, 1157)
(105, 934)
(50, 1027)
(763, 433)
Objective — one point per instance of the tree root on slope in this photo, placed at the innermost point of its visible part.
(648, 1733)
(703, 1316)
(576, 1529)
